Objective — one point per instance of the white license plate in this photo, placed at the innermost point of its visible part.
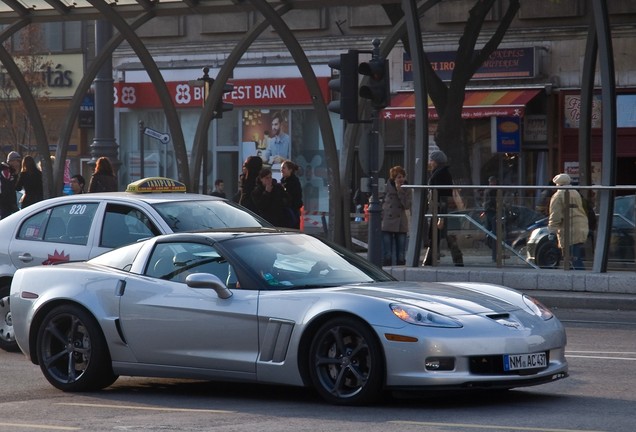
(524, 361)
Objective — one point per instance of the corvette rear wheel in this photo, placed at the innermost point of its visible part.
(72, 352)
(345, 363)
(7, 337)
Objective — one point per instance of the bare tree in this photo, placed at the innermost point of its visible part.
(449, 98)
(15, 128)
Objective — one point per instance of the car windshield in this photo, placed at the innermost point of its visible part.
(291, 260)
(206, 214)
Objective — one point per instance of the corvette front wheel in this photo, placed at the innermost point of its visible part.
(72, 352)
(346, 363)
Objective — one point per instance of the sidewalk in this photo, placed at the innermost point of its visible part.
(555, 288)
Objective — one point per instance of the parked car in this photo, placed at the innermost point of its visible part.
(267, 306)
(79, 227)
(545, 253)
(469, 226)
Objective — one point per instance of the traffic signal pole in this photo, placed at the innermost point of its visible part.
(377, 90)
(374, 251)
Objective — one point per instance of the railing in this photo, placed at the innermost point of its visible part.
(610, 245)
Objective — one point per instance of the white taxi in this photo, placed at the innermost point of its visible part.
(80, 227)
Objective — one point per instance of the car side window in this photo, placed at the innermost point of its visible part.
(175, 261)
(124, 225)
(68, 223)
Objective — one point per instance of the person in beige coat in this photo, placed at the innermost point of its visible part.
(397, 200)
(578, 222)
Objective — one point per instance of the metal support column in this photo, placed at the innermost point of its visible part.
(104, 143)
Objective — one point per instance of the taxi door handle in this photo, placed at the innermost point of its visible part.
(25, 257)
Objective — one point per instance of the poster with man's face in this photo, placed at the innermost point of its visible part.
(268, 130)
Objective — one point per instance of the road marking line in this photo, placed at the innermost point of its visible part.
(490, 427)
(133, 407)
(600, 357)
(602, 352)
(42, 426)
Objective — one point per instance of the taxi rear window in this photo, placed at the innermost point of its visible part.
(206, 214)
(68, 223)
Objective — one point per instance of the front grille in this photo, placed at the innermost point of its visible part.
(493, 365)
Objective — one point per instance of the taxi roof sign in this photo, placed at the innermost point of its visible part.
(156, 185)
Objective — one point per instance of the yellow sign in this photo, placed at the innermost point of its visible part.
(156, 185)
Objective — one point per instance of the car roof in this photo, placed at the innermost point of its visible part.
(221, 234)
(151, 198)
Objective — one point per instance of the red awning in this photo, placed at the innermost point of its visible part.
(477, 104)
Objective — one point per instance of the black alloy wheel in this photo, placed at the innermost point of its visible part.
(72, 352)
(346, 363)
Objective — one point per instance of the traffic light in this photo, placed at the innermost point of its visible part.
(347, 85)
(221, 106)
(377, 88)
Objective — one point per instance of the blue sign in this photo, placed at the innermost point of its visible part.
(507, 134)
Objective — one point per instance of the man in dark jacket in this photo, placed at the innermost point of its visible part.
(440, 175)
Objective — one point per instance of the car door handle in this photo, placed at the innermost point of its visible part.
(25, 257)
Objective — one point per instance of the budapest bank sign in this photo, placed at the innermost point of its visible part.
(263, 92)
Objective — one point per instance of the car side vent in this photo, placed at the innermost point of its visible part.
(496, 317)
(276, 340)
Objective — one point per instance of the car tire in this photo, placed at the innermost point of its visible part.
(72, 352)
(346, 363)
(548, 254)
(7, 337)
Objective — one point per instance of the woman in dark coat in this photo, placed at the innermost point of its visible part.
(270, 198)
(295, 191)
(251, 169)
(30, 180)
(395, 224)
(103, 179)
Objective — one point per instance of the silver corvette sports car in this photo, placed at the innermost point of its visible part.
(276, 307)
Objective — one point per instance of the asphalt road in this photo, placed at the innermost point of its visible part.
(598, 396)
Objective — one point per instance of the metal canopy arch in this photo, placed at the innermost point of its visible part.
(29, 103)
(19, 13)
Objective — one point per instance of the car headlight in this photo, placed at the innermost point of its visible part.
(418, 316)
(537, 307)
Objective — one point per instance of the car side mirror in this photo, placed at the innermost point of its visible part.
(207, 280)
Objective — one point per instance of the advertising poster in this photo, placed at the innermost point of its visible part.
(266, 134)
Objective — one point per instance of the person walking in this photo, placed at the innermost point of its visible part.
(219, 189)
(578, 223)
(397, 200)
(441, 175)
(9, 172)
(490, 210)
(270, 198)
(291, 184)
(103, 179)
(30, 181)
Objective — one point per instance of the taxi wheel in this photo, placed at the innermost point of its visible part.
(72, 352)
(7, 337)
(346, 363)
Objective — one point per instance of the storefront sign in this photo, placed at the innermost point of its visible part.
(502, 63)
(264, 92)
(506, 134)
(572, 111)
